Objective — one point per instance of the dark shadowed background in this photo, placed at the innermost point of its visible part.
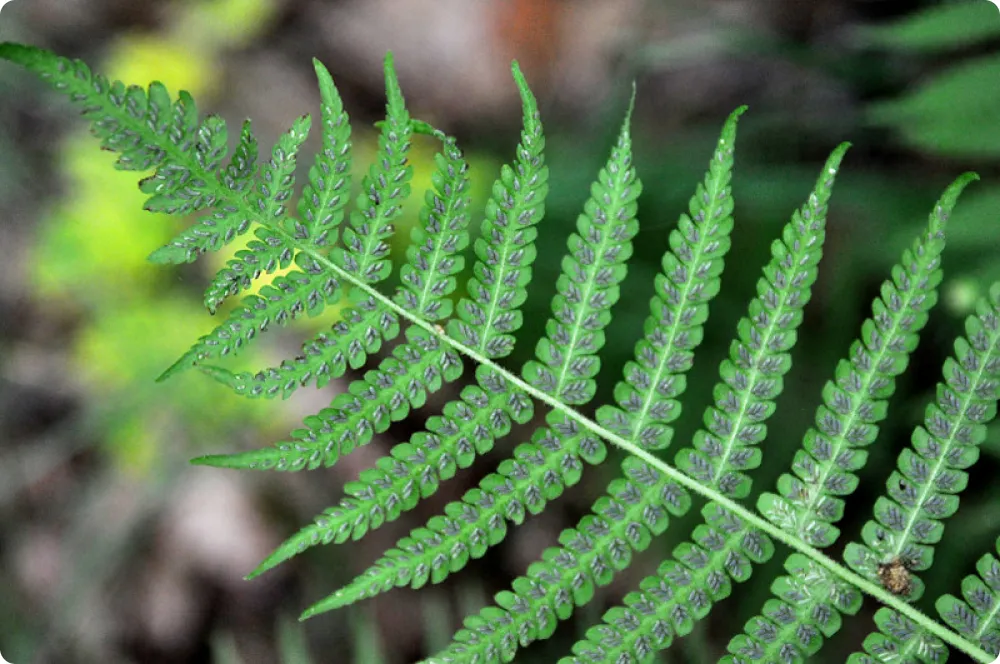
(113, 549)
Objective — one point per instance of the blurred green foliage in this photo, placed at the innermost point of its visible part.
(951, 113)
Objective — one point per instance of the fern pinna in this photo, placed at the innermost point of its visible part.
(334, 255)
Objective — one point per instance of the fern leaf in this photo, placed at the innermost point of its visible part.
(978, 617)
(588, 287)
(415, 469)
(325, 196)
(924, 491)
(191, 172)
(491, 312)
(752, 379)
(350, 341)
(383, 190)
(385, 395)
(848, 419)
(433, 256)
(308, 289)
(680, 593)
(588, 284)
(647, 397)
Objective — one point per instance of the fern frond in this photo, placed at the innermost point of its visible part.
(978, 617)
(227, 195)
(752, 378)
(848, 419)
(505, 251)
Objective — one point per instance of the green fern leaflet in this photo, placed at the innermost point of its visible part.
(331, 253)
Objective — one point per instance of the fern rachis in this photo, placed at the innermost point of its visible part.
(331, 261)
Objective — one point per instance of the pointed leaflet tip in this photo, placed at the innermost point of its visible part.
(326, 87)
(528, 102)
(837, 156)
(942, 210)
(288, 549)
(393, 93)
(729, 128)
(329, 603)
(186, 361)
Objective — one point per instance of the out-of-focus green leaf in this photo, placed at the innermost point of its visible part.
(292, 643)
(958, 24)
(956, 113)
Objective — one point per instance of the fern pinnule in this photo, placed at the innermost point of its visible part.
(414, 470)
(265, 255)
(752, 380)
(325, 195)
(401, 382)
(899, 639)
(690, 277)
(505, 251)
(383, 190)
(588, 284)
(349, 342)
(854, 404)
(978, 617)
(434, 253)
